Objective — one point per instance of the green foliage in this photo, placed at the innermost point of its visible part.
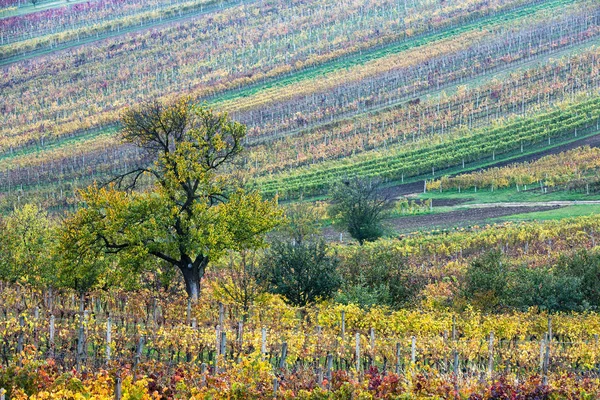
(586, 266)
(26, 245)
(302, 221)
(493, 284)
(364, 295)
(189, 216)
(469, 145)
(372, 277)
(486, 281)
(544, 288)
(358, 206)
(166, 277)
(82, 256)
(26, 378)
(404, 206)
(301, 272)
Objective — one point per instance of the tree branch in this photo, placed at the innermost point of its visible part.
(164, 257)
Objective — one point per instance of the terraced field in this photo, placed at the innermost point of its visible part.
(329, 90)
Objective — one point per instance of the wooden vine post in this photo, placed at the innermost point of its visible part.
(357, 353)
(263, 343)
(241, 335)
(118, 388)
(398, 347)
(221, 314)
(139, 351)
(108, 338)
(491, 356)
(51, 337)
(329, 369)
(547, 351)
(343, 325)
(223, 344)
(21, 338)
(284, 348)
(203, 368)
(372, 345)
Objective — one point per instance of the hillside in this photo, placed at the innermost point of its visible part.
(353, 101)
(299, 199)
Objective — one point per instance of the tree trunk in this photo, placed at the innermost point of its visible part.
(81, 301)
(192, 276)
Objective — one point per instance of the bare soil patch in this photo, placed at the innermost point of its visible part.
(451, 219)
(465, 217)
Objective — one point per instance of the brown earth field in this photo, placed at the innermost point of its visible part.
(450, 219)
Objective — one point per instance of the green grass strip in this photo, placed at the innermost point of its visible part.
(377, 53)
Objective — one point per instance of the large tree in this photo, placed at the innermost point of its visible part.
(189, 213)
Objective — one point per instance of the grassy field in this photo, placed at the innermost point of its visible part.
(508, 196)
(560, 213)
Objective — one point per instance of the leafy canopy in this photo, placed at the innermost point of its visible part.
(297, 265)
(188, 213)
(26, 241)
(358, 206)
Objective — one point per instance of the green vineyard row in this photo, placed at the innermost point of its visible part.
(471, 147)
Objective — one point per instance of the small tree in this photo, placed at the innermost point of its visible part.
(237, 280)
(303, 222)
(373, 276)
(486, 280)
(358, 206)
(584, 265)
(190, 214)
(297, 265)
(301, 272)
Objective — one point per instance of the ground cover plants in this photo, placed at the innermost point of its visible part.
(155, 340)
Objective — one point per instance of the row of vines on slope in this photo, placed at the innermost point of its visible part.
(412, 125)
(178, 59)
(467, 146)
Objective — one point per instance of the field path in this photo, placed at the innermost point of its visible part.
(554, 203)
(463, 216)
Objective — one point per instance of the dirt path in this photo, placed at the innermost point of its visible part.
(556, 203)
(462, 217)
